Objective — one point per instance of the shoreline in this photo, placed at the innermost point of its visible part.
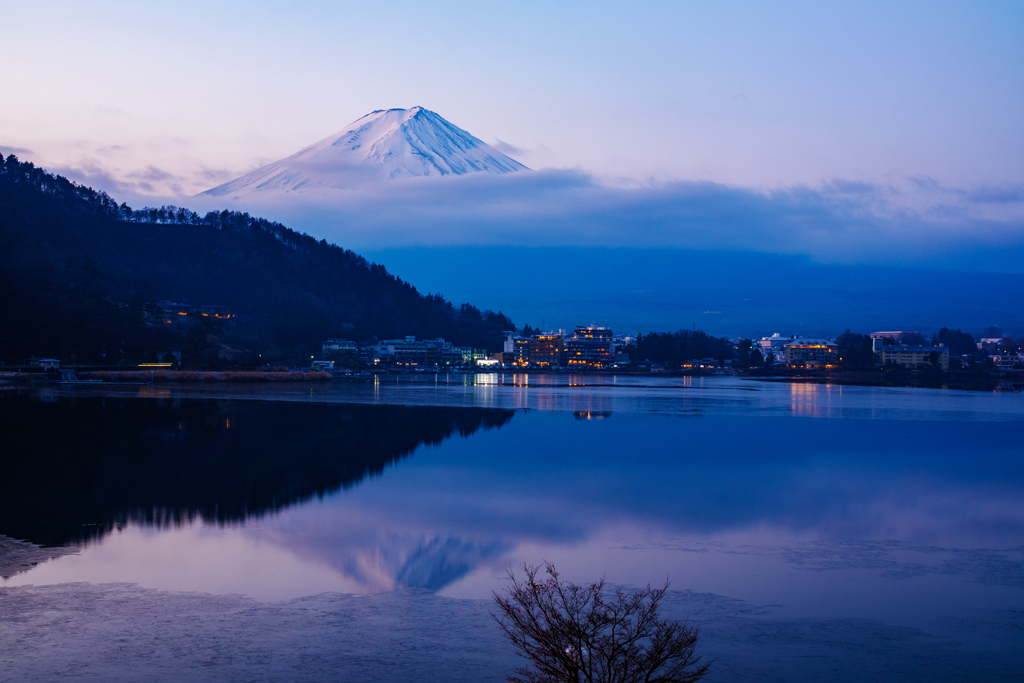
(1007, 381)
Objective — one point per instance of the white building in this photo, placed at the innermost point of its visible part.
(339, 346)
(912, 356)
(775, 344)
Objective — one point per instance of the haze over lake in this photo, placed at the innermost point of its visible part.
(801, 525)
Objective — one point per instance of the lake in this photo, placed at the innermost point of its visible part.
(356, 530)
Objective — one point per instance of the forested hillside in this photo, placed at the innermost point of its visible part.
(79, 272)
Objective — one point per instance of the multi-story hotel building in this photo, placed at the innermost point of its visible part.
(811, 353)
(546, 350)
(521, 353)
(590, 347)
(913, 356)
(340, 347)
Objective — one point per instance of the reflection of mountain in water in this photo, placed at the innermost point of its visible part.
(440, 561)
(72, 469)
(395, 561)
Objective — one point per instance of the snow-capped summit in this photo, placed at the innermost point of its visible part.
(385, 144)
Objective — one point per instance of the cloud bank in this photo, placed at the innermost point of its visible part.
(920, 222)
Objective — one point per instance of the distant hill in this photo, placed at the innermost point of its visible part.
(383, 145)
(725, 293)
(78, 271)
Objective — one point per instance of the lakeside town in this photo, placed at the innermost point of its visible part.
(598, 348)
(590, 348)
(594, 347)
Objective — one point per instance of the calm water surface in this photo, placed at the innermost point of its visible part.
(889, 520)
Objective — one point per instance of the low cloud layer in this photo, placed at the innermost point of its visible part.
(915, 221)
(146, 186)
(920, 223)
(10, 149)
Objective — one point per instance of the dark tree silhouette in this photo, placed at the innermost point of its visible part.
(914, 339)
(744, 349)
(679, 347)
(77, 272)
(959, 343)
(573, 633)
(855, 350)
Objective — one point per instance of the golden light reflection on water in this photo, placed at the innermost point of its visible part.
(546, 392)
(592, 405)
(520, 390)
(591, 415)
(545, 401)
(814, 400)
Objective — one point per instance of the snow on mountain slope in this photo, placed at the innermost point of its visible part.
(385, 144)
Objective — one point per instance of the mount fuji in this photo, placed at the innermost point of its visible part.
(383, 145)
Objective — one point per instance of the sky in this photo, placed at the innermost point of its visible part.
(874, 127)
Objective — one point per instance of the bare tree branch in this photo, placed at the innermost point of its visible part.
(575, 634)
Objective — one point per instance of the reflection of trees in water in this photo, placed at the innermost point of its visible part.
(73, 469)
